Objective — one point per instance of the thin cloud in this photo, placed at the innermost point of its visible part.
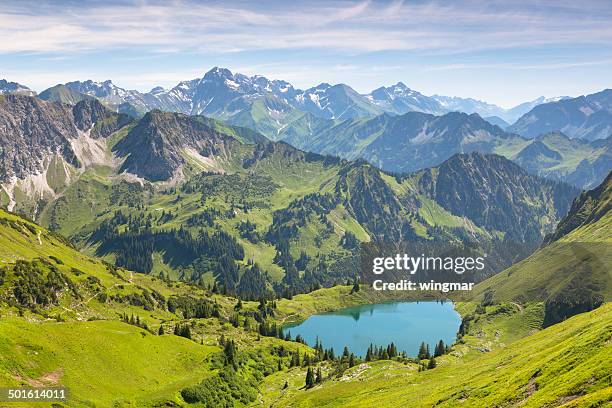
(341, 26)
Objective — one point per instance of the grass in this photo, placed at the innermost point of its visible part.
(105, 363)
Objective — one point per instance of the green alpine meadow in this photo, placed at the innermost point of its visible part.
(418, 215)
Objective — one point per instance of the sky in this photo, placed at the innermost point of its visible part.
(502, 52)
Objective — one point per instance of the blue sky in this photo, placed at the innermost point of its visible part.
(504, 52)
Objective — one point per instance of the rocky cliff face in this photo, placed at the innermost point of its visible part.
(31, 130)
(43, 145)
(91, 114)
(158, 146)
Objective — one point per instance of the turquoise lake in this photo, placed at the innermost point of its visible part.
(407, 324)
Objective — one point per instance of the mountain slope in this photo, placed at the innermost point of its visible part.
(63, 94)
(570, 273)
(587, 211)
(578, 162)
(107, 334)
(407, 142)
(156, 147)
(497, 121)
(587, 117)
(46, 144)
(493, 192)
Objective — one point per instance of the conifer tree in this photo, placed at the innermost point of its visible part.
(319, 378)
(422, 352)
(440, 349)
(432, 363)
(369, 354)
(310, 381)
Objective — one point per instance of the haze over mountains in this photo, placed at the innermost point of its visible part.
(394, 127)
(324, 100)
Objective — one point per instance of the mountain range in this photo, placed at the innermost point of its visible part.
(412, 141)
(83, 169)
(586, 117)
(221, 93)
(381, 126)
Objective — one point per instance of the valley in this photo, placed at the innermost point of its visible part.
(190, 240)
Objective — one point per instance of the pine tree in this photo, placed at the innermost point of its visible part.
(355, 288)
(352, 360)
(422, 352)
(229, 352)
(440, 349)
(345, 354)
(432, 363)
(319, 378)
(310, 381)
(369, 354)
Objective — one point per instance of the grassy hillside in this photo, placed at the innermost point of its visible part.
(75, 321)
(571, 272)
(100, 362)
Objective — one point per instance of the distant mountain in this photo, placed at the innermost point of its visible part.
(407, 142)
(163, 142)
(14, 88)
(469, 105)
(134, 102)
(578, 162)
(494, 192)
(485, 109)
(497, 121)
(400, 99)
(277, 109)
(516, 112)
(64, 94)
(587, 117)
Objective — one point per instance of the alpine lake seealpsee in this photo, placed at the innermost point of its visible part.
(406, 324)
